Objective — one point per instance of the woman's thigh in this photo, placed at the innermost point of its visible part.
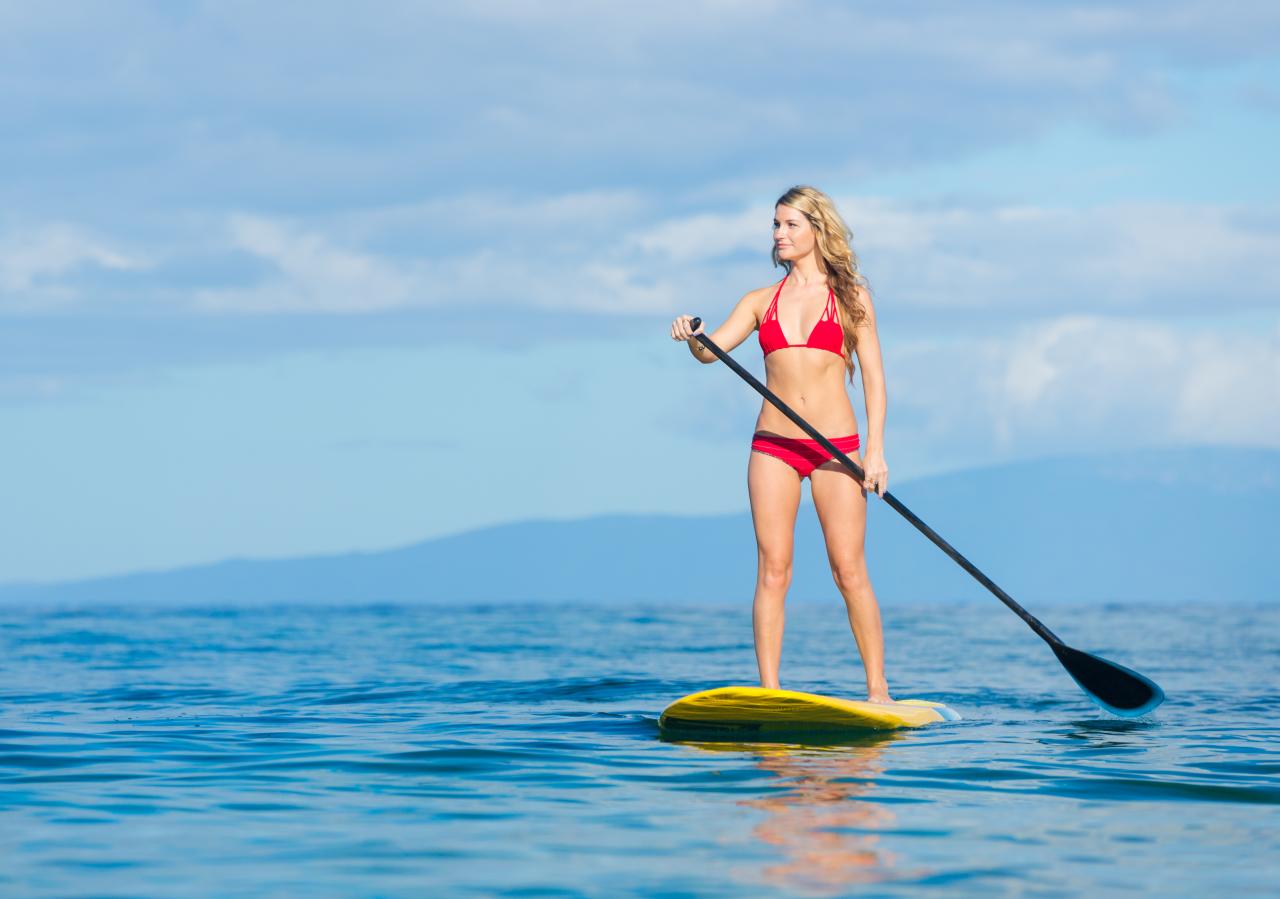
(842, 510)
(774, 487)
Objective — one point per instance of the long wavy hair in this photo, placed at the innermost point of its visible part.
(836, 256)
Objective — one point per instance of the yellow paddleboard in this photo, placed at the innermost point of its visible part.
(756, 710)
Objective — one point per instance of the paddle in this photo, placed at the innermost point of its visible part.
(1117, 689)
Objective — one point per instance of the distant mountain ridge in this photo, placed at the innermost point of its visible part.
(1179, 525)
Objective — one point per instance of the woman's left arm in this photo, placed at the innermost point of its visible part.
(873, 464)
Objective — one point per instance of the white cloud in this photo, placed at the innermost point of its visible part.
(562, 252)
(221, 103)
(1125, 256)
(457, 221)
(548, 140)
(311, 274)
(1083, 382)
(608, 252)
(707, 236)
(33, 258)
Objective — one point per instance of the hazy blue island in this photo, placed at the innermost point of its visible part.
(1183, 525)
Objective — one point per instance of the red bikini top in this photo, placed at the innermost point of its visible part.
(826, 334)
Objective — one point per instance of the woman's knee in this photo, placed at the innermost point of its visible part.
(850, 573)
(775, 570)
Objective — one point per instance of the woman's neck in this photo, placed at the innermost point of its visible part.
(807, 270)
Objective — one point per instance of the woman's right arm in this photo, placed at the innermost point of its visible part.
(736, 328)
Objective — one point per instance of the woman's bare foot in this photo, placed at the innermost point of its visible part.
(879, 693)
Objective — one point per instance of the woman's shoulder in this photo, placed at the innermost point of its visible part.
(755, 303)
(760, 297)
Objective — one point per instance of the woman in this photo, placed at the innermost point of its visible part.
(824, 301)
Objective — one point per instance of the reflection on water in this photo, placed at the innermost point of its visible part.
(824, 822)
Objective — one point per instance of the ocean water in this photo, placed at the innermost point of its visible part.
(514, 750)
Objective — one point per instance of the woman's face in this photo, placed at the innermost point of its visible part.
(793, 236)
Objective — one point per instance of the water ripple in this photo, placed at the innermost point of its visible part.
(494, 751)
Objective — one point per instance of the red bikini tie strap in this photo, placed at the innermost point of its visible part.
(772, 311)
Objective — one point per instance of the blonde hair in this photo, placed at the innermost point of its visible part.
(836, 257)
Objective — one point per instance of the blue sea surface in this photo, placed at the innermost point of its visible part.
(514, 750)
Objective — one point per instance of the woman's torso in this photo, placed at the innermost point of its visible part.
(807, 375)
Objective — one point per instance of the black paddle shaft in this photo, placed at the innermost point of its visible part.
(1032, 621)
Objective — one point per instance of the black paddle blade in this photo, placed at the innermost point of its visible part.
(1119, 690)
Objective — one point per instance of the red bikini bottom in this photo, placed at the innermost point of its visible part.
(802, 454)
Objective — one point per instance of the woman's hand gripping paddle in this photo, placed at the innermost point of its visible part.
(1116, 688)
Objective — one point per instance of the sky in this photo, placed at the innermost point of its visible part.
(293, 278)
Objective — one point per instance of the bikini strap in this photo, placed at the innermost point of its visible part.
(772, 311)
